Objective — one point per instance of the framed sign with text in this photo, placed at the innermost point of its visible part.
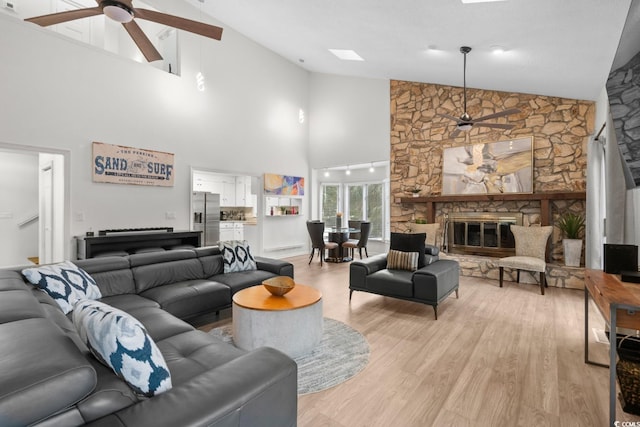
(117, 164)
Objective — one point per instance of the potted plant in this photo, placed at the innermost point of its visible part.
(571, 225)
(416, 192)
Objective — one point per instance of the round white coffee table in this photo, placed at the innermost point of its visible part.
(291, 323)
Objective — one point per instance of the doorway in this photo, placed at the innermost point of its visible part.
(33, 213)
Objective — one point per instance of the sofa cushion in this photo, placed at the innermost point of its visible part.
(391, 282)
(236, 255)
(112, 274)
(121, 342)
(110, 394)
(211, 259)
(191, 353)
(409, 242)
(64, 282)
(398, 260)
(129, 302)
(163, 268)
(242, 279)
(158, 323)
(190, 298)
(42, 372)
(16, 300)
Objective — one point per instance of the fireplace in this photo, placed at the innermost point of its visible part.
(482, 233)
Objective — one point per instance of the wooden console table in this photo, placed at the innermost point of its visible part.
(88, 247)
(619, 304)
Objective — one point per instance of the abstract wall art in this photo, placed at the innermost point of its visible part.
(283, 185)
(491, 168)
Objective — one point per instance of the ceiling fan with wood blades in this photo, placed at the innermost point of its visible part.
(465, 122)
(122, 11)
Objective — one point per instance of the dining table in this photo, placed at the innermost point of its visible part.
(339, 235)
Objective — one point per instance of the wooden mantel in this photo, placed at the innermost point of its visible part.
(544, 198)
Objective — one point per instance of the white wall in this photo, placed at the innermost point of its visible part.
(62, 94)
(621, 207)
(349, 119)
(18, 202)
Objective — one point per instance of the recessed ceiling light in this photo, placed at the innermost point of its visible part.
(346, 54)
(497, 49)
(479, 1)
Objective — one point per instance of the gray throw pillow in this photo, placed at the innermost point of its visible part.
(410, 242)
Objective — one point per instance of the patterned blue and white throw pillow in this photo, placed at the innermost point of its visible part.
(236, 255)
(121, 342)
(66, 283)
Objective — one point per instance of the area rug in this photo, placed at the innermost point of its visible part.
(342, 353)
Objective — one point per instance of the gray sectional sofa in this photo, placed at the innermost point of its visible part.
(48, 377)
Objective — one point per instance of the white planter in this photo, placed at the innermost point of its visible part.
(572, 252)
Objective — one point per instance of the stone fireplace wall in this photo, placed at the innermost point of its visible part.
(560, 129)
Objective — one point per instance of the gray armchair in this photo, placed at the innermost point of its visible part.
(430, 284)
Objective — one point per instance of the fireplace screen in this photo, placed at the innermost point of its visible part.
(482, 233)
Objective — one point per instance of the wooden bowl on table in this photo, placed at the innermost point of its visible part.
(280, 285)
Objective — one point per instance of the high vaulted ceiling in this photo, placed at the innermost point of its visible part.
(552, 47)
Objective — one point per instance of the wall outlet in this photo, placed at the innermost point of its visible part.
(10, 5)
(170, 215)
(79, 216)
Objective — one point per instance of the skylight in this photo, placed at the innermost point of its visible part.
(346, 54)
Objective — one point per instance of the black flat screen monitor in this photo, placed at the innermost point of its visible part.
(619, 258)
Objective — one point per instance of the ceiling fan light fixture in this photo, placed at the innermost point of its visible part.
(465, 127)
(117, 11)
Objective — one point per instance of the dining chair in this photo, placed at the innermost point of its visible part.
(316, 233)
(361, 243)
(355, 225)
(531, 247)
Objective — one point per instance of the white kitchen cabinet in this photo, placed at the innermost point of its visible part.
(243, 191)
(226, 231)
(238, 231)
(241, 195)
(230, 230)
(228, 194)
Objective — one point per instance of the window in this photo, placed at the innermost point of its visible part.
(356, 202)
(330, 203)
(366, 202)
(375, 210)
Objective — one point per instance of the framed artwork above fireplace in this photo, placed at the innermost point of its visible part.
(491, 168)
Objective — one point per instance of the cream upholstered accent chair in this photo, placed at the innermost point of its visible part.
(531, 246)
(432, 230)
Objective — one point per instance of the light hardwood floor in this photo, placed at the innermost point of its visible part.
(494, 357)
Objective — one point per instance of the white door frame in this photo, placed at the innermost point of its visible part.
(66, 154)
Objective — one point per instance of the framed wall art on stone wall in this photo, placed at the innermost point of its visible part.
(490, 168)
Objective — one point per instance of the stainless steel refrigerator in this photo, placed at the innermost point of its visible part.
(206, 216)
